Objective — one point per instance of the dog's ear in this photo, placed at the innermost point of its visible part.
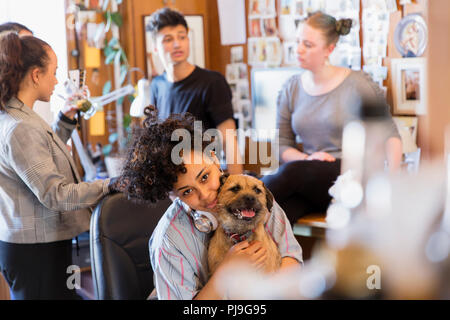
(269, 198)
(223, 178)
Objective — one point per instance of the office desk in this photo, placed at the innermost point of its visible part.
(312, 225)
(310, 230)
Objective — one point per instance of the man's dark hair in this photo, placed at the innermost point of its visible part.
(165, 18)
(13, 26)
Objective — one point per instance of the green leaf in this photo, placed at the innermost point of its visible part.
(113, 42)
(108, 21)
(113, 137)
(110, 57)
(106, 87)
(126, 121)
(107, 50)
(107, 149)
(131, 98)
(120, 101)
(116, 18)
(124, 57)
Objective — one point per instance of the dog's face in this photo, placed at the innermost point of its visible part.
(242, 203)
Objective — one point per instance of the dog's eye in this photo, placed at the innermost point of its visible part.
(235, 188)
(257, 190)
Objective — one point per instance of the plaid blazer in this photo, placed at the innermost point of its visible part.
(42, 198)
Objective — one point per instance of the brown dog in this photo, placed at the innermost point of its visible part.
(243, 203)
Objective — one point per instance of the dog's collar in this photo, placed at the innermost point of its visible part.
(235, 238)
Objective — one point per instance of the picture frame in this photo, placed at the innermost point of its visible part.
(409, 89)
(407, 128)
(196, 38)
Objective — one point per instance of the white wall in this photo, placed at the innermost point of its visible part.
(46, 18)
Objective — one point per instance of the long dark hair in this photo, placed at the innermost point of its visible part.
(17, 56)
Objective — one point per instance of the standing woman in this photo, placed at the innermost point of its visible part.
(314, 108)
(43, 204)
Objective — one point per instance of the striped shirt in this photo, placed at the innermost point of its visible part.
(179, 252)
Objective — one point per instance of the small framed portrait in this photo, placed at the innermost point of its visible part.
(255, 8)
(242, 71)
(286, 7)
(255, 28)
(274, 52)
(269, 8)
(252, 53)
(407, 128)
(409, 86)
(300, 8)
(243, 92)
(270, 27)
(237, 54)
(231, 73)
(245, 107)
(290, 53)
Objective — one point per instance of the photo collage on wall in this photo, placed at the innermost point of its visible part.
(264, 47)
(375, 24)
(237, 78)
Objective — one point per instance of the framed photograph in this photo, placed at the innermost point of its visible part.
(255, 8)
(231, 73)
(196, 39)
(237, 54)
(242, 71)
(274, 52)
(286, 7)
(257, 51)
(407, 128)
(243, 92)
(270, 27)
(255, 28)
(409, 86)
(290, 53)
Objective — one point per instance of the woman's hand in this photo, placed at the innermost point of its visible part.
(321, 156)
(70, 108)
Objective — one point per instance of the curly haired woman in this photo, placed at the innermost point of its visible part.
(178, 250)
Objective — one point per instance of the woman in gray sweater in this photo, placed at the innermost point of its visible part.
(313, 108)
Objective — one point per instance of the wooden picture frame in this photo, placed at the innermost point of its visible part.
(409, 90)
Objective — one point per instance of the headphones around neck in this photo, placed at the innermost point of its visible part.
(204, 221)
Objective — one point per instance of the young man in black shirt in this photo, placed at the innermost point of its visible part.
(184, 87)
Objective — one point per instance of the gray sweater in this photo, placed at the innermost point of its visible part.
(318, 121)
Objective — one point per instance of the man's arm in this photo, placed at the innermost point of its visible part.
(232, 153)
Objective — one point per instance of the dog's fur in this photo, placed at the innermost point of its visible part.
(242, 192)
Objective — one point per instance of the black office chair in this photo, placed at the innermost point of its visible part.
(120, 231)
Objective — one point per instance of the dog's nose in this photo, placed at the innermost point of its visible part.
(249, 200)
